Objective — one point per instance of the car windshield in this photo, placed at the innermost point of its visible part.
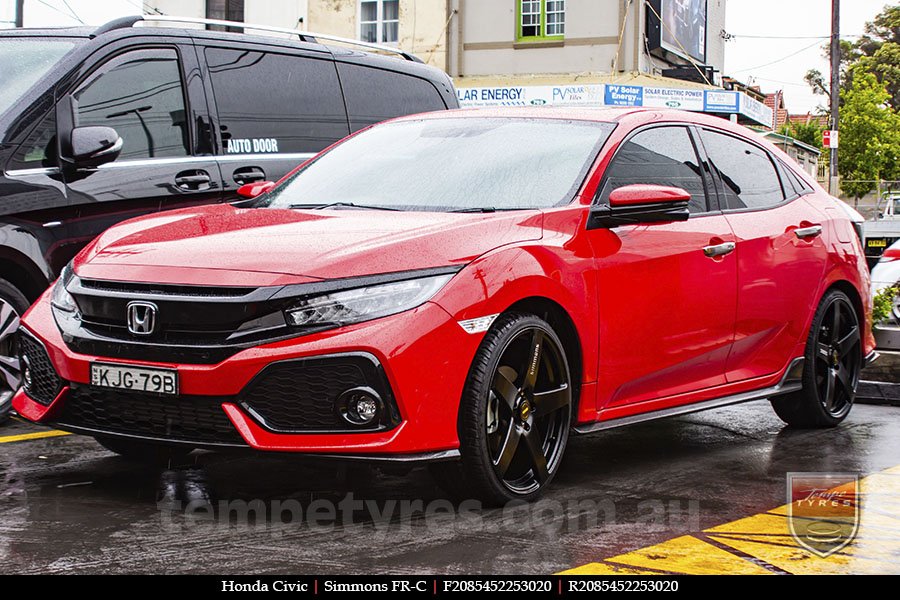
(25, 60)
(450, 164)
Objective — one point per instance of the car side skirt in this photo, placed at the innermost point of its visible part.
(790, 382)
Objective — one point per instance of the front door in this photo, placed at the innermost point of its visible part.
(666, 307)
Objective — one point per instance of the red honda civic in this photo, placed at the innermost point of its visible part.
(466, 288)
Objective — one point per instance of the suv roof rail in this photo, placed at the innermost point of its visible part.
(306, 36)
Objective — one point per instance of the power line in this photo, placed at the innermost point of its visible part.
(74, 14)
(785, 37)
(60, 11)
(783, 58)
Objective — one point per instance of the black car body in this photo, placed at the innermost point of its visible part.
(195, 113)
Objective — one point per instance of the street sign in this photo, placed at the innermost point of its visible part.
(830, 138)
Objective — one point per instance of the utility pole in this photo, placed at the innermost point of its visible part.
(20, 13)
(835, 90)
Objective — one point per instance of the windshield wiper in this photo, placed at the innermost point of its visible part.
(350, 204)
(477, 209)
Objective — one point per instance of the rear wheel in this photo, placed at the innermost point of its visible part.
(145, 452)
(514, 416)
(13, 305)
(833, 360)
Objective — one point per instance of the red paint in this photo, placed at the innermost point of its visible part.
(631, 195)
(252, 190)
(659, 323)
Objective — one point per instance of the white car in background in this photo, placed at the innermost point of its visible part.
(884, 274)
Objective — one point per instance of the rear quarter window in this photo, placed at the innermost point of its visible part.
(374, 95)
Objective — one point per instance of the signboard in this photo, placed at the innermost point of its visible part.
(624, 95)
(531, 95)
(830, 138)
(756, 110)
(683, 28)
(720, 101)
(673, 98)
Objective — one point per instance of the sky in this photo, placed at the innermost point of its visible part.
(774, 63)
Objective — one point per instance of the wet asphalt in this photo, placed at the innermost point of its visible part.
(69, 506)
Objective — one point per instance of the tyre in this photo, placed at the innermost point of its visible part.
(833, 360)
(514, 416)
(145, 452)
(13, 305)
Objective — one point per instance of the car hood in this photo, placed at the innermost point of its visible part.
(225, 245)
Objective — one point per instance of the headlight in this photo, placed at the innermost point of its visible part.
(61, 299)
(364, 304)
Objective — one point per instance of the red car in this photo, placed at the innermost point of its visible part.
(465, 288)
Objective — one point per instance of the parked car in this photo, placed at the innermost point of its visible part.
(885, 274)
(101, 125)
(464, 288)
(883, 229)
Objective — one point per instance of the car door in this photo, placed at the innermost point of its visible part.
(781, 255)
(165, 160)
(275, 108)
(666, 307)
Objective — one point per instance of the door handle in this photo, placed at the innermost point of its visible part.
(805, 233)
(248, 175)
(719, 249)
(193, 180)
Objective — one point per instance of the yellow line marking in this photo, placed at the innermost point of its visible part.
(766, 538)
(32, 436)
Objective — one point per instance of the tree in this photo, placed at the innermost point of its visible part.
(808, 133)
(870, 135)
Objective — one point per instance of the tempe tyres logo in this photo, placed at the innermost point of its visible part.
(823, 510)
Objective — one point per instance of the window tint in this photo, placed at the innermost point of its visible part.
(374, 95)
(747, 173)
(659, 156)
(271, 102)
(793, 183)
(39, 148)
(139, 94)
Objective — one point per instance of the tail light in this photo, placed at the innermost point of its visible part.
(891, 254)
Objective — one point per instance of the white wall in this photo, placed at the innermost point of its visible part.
(276, 13)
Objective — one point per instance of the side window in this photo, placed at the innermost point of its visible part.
(375, 95)
(38, 150)
(747, 173)
(140, 95)
(275, 103)
(659, 156)
(794, 186)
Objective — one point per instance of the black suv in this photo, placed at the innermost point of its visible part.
(100, 125)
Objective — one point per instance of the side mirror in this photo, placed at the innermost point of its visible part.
(94, 146)
(641, 203)
(257, 188)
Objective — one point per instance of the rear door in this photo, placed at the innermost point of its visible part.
(667, 308)
(139, 89)
(781, 255)
(275, 107)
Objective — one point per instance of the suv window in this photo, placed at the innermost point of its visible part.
(794, 186)
(375, 95)
(140, 95)
(659, 156)
(275, 103)
(748, 174)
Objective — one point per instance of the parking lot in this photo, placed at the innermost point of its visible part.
(691, 494)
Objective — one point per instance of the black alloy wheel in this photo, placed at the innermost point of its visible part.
(515, 415)
(833, 361)
(12, 305)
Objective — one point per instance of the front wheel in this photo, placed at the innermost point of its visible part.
(514, 416)
(12, 305)
(833, 360)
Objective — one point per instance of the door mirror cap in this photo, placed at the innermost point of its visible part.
(94, 146)
(257, 188)
(640, 194)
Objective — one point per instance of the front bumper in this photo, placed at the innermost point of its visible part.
(423, 356)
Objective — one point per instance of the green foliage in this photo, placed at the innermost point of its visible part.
(808, 133)
(883, 303)
(870, 135)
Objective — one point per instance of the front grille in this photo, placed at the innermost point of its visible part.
(193, 419)
(166, 290)
(45, 383)
(302, 395)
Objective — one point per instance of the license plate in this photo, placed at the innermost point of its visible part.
(137, 379)
(877, 243)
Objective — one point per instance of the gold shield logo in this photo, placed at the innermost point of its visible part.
(823, 510)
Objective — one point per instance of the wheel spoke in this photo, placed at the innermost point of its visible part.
(836, 322)
(504, 387)
(508, 448)
(536, 452)
(843, 378)
(830, 384)
(823, 352)
(534, 360)
(551, 401)
(9, 372)
(848, 342)
(9, 321)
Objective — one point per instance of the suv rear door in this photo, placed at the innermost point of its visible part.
(274, 107)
